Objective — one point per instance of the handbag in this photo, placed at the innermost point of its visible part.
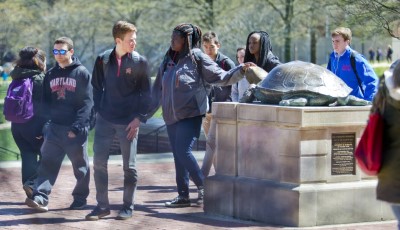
(369, 150)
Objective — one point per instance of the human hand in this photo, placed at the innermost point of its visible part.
(132, 128)
(248, 65)
(71, 134)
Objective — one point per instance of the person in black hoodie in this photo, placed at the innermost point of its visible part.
(259, 51)
(68, 102)
(121, 92)
(28, 135)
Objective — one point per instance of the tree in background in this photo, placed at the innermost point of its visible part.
(88, 22)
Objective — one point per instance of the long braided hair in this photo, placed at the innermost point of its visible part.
(192, 35)
(265, 49)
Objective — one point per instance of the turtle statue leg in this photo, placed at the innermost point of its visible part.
(248, 95)
(355, 101)
(294, 102)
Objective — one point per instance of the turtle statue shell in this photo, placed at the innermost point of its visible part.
(311, 84)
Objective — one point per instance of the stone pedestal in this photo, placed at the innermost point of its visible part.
(291, 166)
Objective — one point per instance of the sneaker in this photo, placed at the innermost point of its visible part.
(98, 213)
(124, 214)
(36, 204)
(28, 191)
(178, 202)
(200, 198)
(77, 205)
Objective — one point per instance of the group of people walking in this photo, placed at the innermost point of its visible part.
(118, 96)
(68, 101)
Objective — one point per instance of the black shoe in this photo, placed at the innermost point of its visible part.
(124, 214)
(98, 213)
(28, 191)
(178, 202)
(77, 205)
(200, 198)
(36, 204)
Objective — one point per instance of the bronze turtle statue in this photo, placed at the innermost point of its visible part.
(299, 83)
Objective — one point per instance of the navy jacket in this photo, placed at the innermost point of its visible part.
(121, 94)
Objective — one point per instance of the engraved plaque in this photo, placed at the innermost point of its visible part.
(343, 146)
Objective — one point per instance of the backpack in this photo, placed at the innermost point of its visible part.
(18, 105)
(105, 57)
(353, 66)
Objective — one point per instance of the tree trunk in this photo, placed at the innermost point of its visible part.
(313, 46)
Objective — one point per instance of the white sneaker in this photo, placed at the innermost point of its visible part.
(36, 205)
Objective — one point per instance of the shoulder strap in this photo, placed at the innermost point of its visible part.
(106, 57)
(353, 66)
(135, 56)
(329, 63)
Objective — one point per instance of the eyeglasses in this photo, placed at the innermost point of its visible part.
(61, 52)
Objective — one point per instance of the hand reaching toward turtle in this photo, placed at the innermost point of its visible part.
(247, 65)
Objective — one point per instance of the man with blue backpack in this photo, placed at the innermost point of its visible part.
(68, 102)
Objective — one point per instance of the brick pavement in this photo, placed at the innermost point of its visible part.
(156, 185)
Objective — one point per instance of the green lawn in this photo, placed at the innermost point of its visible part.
(380, 70)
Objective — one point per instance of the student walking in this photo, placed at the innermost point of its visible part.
(121, 90)
(68, 102)
(27, 128)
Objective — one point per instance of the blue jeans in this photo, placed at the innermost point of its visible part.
(182, 135)
(29, 146)
(396, 211)
(103, 139)
(56, 145)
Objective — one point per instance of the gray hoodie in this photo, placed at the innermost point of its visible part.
(181, 88)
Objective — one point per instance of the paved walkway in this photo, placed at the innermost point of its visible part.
(156, 185)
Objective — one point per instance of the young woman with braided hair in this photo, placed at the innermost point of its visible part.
(259, 51)
(181, 88)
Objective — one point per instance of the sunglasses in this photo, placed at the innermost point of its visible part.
(61, 52)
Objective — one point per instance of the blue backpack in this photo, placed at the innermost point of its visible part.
(18, 106)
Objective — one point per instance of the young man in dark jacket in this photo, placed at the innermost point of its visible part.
(68, 100)
(211, 45)
(121, 91)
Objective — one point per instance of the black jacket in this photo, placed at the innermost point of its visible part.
(68, 96)
(221, 93)
(120, 95)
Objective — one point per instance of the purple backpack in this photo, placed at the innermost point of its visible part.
(18, 106)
